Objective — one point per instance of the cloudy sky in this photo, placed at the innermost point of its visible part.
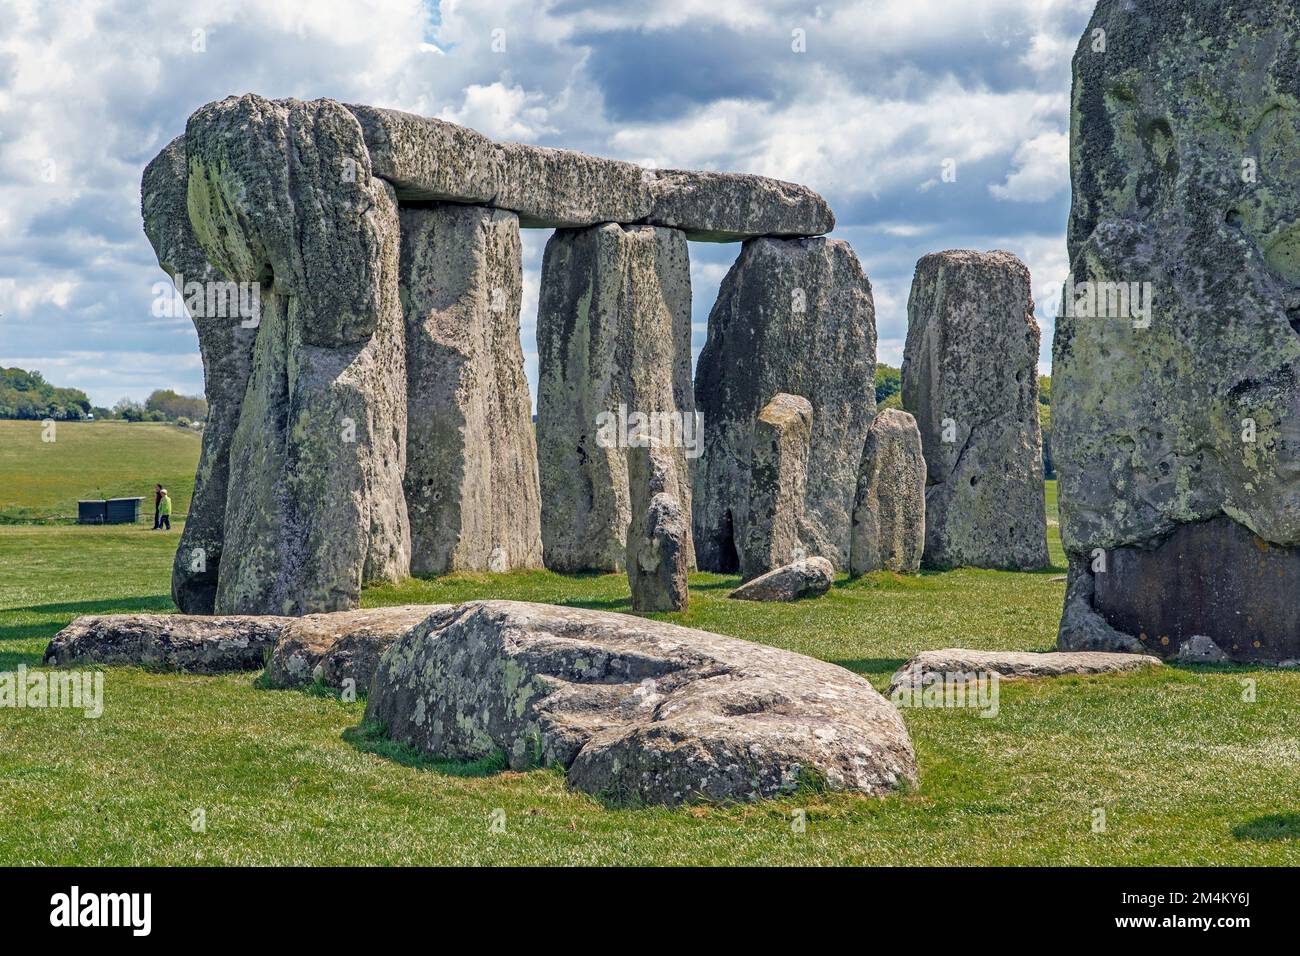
(881, 94)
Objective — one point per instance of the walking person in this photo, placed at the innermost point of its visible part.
(157, 500)
(165, 511)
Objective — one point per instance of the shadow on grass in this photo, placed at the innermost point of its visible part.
(369, 738)
(9, 660)
(1274, 826)
(62, 614)
(871, 665)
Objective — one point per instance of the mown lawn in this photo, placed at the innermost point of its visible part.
(1185, 769)
(42, 480)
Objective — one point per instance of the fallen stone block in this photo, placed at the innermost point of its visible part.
(196, 643)
(342, 646)
(637, 711)
(1011, 665)
(808, 577)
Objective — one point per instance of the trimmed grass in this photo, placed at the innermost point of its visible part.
(1186, 770)
(42, 480)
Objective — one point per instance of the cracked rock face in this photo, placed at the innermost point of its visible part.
(970, 379)
(1176, 389)
(198, 644)
(638, 711)
(658, 540)
(889, 511)
(775, 526)
(281, 193)
(226, 347)
(794, 316)
(471, 456)
(340, 647)
(614, 342)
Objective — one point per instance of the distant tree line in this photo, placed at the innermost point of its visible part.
(26, 394)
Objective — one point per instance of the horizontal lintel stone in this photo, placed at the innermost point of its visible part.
(428, 159)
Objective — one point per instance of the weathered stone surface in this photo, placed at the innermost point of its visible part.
(1214, 580)
(226, 347)
(658, 540)
(431, 159)
(729, 207)
(200, 644)
(1176, 410)
(808, 577)
(613, 341)
(471, 455)
(889, 510)
(637, 710)
(970, 378)
(340, 646)
(281, 193)
(1013, 664)
(795, 316)
(774, 528)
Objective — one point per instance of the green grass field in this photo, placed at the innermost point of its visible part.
(1186, 770)
(42, 480)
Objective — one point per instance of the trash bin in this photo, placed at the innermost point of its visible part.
(123, 510)
(92, 511)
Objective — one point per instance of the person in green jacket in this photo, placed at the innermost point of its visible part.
(165, 511)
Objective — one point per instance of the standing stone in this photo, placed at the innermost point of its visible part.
(614, 348)
(658, 540)
(1176, 375)
(281, 193)
(226, 347)
(795, 316)
(471, 456)
(889, 512)
(970, 377)
(774, 526)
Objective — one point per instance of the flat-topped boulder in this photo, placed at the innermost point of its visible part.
(431, 159)
(200, 644)
(342, 646)
(975, 664)
(637, 711)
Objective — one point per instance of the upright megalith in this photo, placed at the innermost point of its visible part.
(471, 456)
(794, 316)
(658, 540)
(889, 510)
(773, 528)
(225, 318)
(281, 193)
(1176, 374)
(970, 378)
(613, 341)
